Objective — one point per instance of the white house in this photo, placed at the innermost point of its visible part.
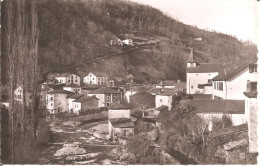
(199, 75)
(235, 80)
(95, 78)
(164, 98)
(70, 99)
(73, 88)
(209, 109)
(128, 42)
(18, 93)
(68, 78)
(56, 101)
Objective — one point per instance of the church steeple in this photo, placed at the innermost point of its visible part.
(191, 61)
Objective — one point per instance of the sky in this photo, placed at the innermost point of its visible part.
(234, 17)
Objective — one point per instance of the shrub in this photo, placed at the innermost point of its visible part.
(44, 135)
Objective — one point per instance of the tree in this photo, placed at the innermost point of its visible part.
(21, 35)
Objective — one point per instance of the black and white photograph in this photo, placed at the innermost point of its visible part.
(129, 82)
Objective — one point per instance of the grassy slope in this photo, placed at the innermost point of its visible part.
(87, 30)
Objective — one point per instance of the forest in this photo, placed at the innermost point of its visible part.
(74, 32)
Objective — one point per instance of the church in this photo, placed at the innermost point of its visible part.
(199, 75)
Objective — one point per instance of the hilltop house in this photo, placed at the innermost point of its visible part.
(95, 78)
(128, 42)
(70, 99)
(164, 98)
(106, 96)
(68, 78)
(235, 80)
(84, 104)
(119, 122)
(199, 75)
(73, 88)
(56, 101)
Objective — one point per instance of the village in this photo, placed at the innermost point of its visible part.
(125, 82)
(214, 90)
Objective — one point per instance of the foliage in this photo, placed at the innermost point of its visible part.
(184, 131)
(144, 151)
(75, 32)
(221, 123)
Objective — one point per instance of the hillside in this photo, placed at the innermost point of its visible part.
(75, 35)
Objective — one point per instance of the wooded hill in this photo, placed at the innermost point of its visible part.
(74, 32)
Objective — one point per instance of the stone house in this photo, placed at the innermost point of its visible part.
(84, 104)
(106, 96)
(119, 122)
(56, 101)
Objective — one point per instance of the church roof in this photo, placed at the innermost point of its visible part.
(191, 57)
(208, 68)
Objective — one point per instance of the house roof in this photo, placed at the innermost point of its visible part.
(63, 74)
(122, 123)
(104, 90)
(163, 107)
(233, 70)
(216, 106)
(143, 98)
(60, 91)
(180, 85)
(208, 68)
(84, 98)
(98, 74)
(119, 105)
(167, 92)
(72, 85)
(154, 90)
(91, 86)
(191, 57)
(229, 130)
(75, 96)
(139, 88)
(235, 144)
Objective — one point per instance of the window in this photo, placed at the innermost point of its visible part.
(51, 104)
(98, 79)
(114, 98)
(252, 68)
(209, 74)
(197, 74)
(76, 80)
(160, 100)
(51, 98)
(117, 97)
(191, 87)
(108, 97)
(253, 86)
(68, 80)
(221, 86)
(107, 104)
(93, 78)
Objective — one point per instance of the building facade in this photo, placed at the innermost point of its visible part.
(95, 78)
